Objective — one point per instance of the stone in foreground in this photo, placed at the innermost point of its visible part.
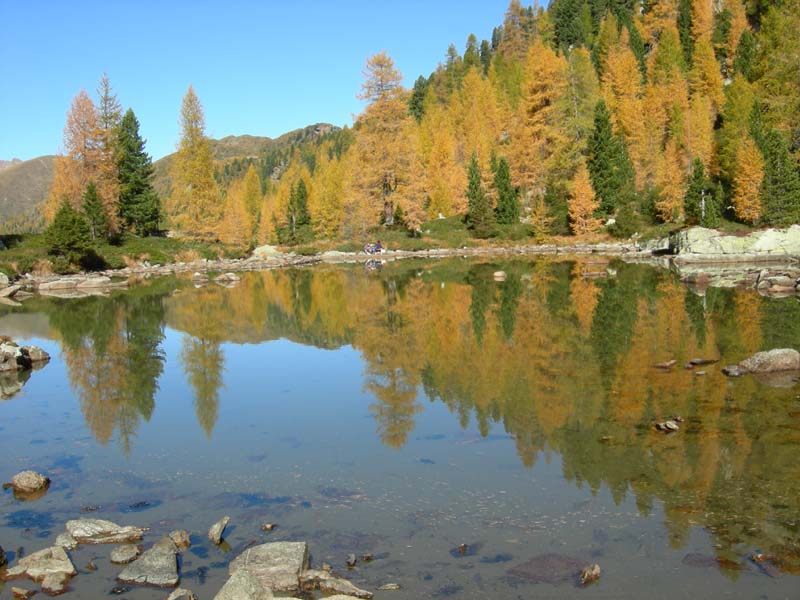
(217, 529)
(99, 531)
(276, 565)
(590, 574)
(158, 566)
(181, 538)
(243, 585)
(122, 555)
(780, 359)
(330, 584)
(52, 563)
(22, 593)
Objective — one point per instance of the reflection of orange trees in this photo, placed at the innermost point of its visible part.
(204, 363)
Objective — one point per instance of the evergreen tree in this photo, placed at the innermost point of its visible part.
(721, 37)
(486, 56)
(699, 203)
(780, 190)
(297, 211)
(507, 210)
(416, 102)
(570, 27)
(139, 204)
(685, 29)
(609, 164)
(94, 212)
(638, 48)
(745, 55)
(68, 235)
(479, 216)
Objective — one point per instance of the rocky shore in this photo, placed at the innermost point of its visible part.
(768, 260)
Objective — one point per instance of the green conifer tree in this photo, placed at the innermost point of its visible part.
(480, 215)
(700, 202)
(609, 164)
(685, 30)
(745, 55)
(507, 210)
(416, 102)
(94, 213)
(297, 214)
(68, 235)
(139, 204)
(780, 190)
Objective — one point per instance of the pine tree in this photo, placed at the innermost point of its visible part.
(194, 206)
(685, 29)
(417, 99)
(609, 165)
(699, 204)
(745, 55)
(109, 115)
(95, 213)
(780, 190)
(139, 204)
(479, 216)
(507, 210)
(297, 212)
(68, 234)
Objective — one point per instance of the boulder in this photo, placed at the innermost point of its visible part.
(243, 585)
(29, 482)
(703, 242)
(100, 531)
(122, 555)
(158, 566)
(36, 354)
(54, 584)
(94, 282)
(58, 284)
(181, 538)
(66, 541)
(7, 292)
(22, 593)
(263, 252)
(277, 565)
(51, 562)
(217, 529)
(780, 359)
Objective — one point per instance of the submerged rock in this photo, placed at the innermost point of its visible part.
(389, 587)
(182, 594)
(157, 566)
(22, 593)
(276, 565)
(51, 563)
(181, 538)
(548, 568)
(122, 555)
(217, 529)
(100, 531)
(66, 541)
(780, 359)
(732, 371)
(243, 585)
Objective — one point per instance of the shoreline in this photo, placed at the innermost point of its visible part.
(762, 271)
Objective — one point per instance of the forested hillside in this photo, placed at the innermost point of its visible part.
(621, 114)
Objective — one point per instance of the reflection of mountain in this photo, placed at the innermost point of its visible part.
(557, 353)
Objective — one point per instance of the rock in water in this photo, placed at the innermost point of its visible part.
(732, 371)
(21, 593)
(28, 483)
(590, 574)
(389, 587)
(276, 565)
(243, 586)
(548, 568)
(99, 531)
(157, 566)
(55, 583)
(182, 594)
(330, 584)
(181, 538)
(217, 529)
(122, 555)
(780, 359)
(51, 562)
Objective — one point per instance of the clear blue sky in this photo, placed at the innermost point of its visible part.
(261, 68)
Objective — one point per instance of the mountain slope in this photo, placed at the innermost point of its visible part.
(24, 185)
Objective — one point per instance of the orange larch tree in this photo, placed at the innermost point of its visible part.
(749, 174)
(583, 203)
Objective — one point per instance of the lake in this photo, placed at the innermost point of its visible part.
(406, 410)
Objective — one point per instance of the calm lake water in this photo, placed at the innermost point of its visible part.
(408, 410)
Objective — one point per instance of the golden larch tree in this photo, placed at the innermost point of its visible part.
(702, 19)
(109, 116)
(699, 129)
(327, 196)
(194, 207)
(445, 179)
(749, 174)
(670, 180)
(77, 164)
(583, 203)
(251, 191)
(237, 224)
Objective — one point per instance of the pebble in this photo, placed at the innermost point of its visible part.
(590, 574)
(351, 560)
(389, 587)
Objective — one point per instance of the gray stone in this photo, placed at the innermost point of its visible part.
(217, 529)
(389, 587)
(54, 584)
(122, 555)
(100, 531)
(3, 280)
(22, 593)
(66, 541)
(58, 284)
(276, 565)
(36, 354)
(157, 566)
(243, 585)
(9, 291)
(50, 561)
(330, 584)
(182, 594)
(705, 243)
(95, 282)
(780, 359)
(732, 371)
(263, 252)
(181, 538)
(29, 482)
